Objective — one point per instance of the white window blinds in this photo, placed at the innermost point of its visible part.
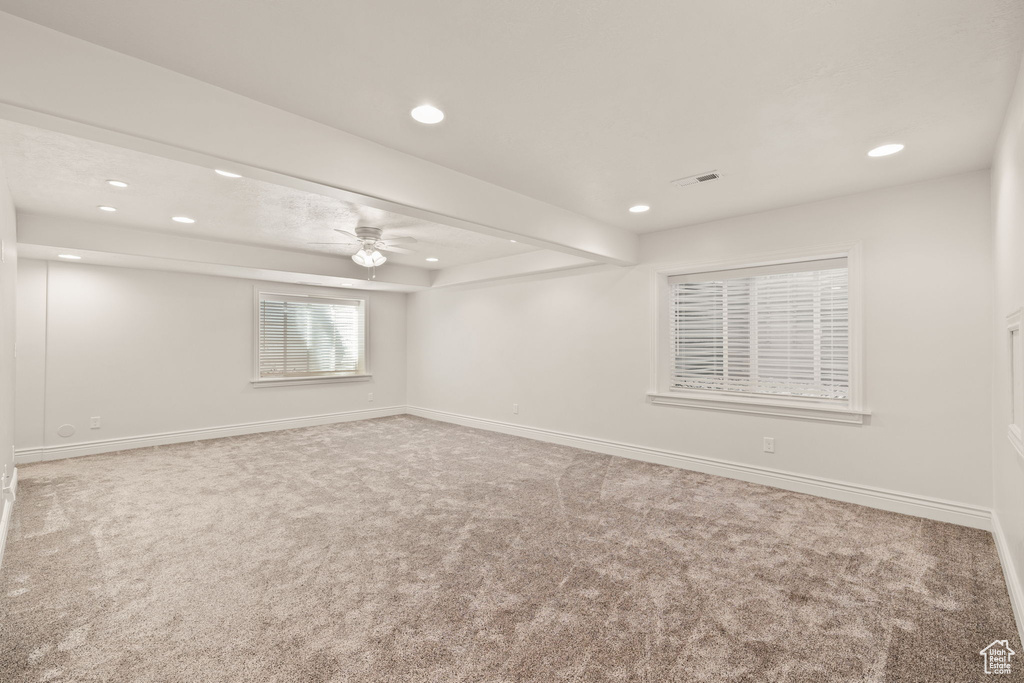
(778, 330)
(304, 336)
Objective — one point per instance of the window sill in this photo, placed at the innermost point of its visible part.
(295, 381)
(758, 406)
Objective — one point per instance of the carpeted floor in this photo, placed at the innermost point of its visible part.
(402, 549)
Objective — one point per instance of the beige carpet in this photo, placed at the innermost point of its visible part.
(402, 549)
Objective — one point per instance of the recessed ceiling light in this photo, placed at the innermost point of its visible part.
(117, 183)
(106, 208)
(345, 284)
(183, 219)
(885, 150)
(70, 257)
(432, 259)
(639, 208)
(511, 240)
(426, 113)
(226, 174)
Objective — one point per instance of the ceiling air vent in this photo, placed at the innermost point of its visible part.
(697, 179)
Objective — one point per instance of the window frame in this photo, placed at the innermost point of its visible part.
(851, 411)
(258, 382)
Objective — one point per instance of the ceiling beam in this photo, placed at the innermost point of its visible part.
(45, 236)
(52, 80)
(517, 265)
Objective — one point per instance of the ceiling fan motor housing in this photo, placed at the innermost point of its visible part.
(368, 234)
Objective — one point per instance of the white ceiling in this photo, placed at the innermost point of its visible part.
(56, 174)
(594, 105)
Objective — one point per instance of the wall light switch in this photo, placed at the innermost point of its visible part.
(370, 398)
(515, 408)
(769, 444)
(94, 423)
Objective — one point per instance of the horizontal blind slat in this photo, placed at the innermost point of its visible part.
(773, 333)
(307, 337)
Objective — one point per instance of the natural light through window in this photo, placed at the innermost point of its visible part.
(309, 338)
(772, 331)
(778, 334)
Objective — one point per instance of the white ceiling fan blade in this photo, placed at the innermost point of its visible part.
(397, 250)
(401, 240)
(347, 235)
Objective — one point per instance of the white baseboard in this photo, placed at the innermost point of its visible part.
(883, 499)
(1013, 584)
(7, 495)
(27, 455)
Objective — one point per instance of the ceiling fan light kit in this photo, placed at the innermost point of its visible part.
(369, 257)
(370, 243)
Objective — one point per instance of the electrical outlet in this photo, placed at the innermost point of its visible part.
(515, 408)
(370, 397)
(769, 444)
(94, 423)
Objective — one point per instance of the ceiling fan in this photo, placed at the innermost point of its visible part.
(369, 244)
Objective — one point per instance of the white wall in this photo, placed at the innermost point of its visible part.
(8, 286)
(574, 350)
(1008, 203)
(152, 352)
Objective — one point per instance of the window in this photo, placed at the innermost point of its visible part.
(309, 339)
(776, 335)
